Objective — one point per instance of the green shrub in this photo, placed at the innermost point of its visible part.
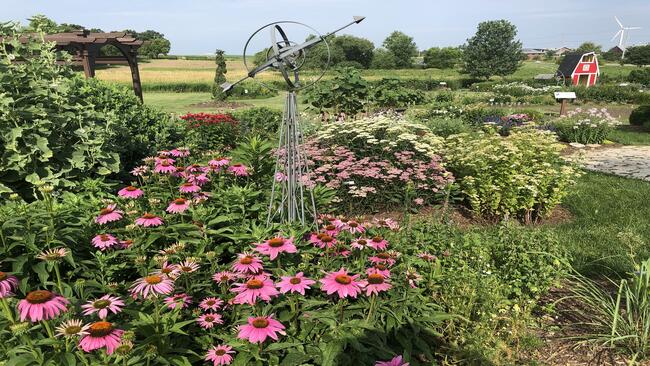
(48, 131)
(259, 120)
(391, 94)
(445, 127)
(251, 90)
(521, 175)
(478, 114)
(592, 126)
(612, 93)
(211, 131)
(640, 116)
(640, 76)
(346, 92)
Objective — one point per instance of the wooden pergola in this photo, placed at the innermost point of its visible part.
(84, 47)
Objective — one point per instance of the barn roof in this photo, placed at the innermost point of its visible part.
(569, 64)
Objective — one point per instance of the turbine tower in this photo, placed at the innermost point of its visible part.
(623, 36)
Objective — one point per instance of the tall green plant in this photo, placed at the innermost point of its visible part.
(346, 92)
(219, 76)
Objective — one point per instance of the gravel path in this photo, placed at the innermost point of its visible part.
(626, 161)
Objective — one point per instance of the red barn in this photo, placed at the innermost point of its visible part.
(581, 69)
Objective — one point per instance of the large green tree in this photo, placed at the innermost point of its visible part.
(402, 47)
(493, 50)
(355, 49)
(589, 47)
(639, 55)
(442, 58)
(383, 59)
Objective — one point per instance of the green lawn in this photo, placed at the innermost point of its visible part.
(630, 135)
(181, 103)
(610, 213)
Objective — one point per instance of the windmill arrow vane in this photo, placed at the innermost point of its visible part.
(285, 55)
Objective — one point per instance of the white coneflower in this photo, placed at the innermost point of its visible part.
(71, 328)
(52, 255)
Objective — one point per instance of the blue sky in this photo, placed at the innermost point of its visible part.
(200, 26)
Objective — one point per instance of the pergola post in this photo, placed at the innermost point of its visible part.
(88, 62)
(132, 58)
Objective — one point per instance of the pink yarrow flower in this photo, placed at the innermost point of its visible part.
(208, 320)
(178, 301)
(108, 214)
(238, 170)
(41, 305)
(103, 305)
(396, 361)
(8, 284)
(256, 287)
(101, 334)
(273, 247)
(341, 283)
(211, 303)
(297, 283)
(247, 263)
(130, 192)
(178, 205)
(220, 355)
(104, 241)
(153, 285)
(258, 329)
(149, 220)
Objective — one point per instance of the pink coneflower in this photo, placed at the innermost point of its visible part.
(342, 283)
(378, 243)
(195, 168)
(52, 255)
(178, 205)
(379, 268)
(130, 192)
(413, 278)
(103, 305)
(178, 301)
(360, 244)
(188, 266)
(219, 162)
(154, 285)
(220, 355)
(148, 220)
(140, 171)
(180, 152)
(322, 240)
(259, 286)
(211, 303)
(169, 270)
(427, 256)
(355, 227)
(239, 170)
(41, 304)
(101, 334)
(383, 258)
(339, 223)
(298, 283)
(224, 277)
(201, 197)
(8, 284)
(273, 247)
(71, 328)
(164, 166)
(375, 283)
(164, 153)
(198, 179)
(259, 328)
(188, 187)
(247, 263)
(104, 241)
(208, 320)
(109, 214)
(389, 223)
(125, 244)
(396, 361)
(331, 230)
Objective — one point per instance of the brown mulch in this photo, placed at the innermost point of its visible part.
(558, 332)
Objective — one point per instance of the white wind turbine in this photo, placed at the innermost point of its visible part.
(623, 35)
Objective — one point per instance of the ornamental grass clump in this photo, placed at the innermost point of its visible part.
(519, 176)
(377, 162)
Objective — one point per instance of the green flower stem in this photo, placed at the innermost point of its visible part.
(58, 277)
(46, 324)
(8, 314)
(373, 302)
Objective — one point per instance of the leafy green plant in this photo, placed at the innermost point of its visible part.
(390, 93)
(640, 116)
(586, 127)
(259, 120)
(346, 92)
(521, 175)
(640, 76)
(211, 131)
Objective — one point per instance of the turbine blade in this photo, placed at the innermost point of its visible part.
(618, 21)
(632, 28)
(616, 35)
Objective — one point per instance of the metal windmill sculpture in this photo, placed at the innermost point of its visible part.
(291, 201)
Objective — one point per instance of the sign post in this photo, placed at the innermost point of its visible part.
(563, 98)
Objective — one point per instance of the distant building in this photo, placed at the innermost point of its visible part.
(580, 69)
(561, 51)
(533, 53)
